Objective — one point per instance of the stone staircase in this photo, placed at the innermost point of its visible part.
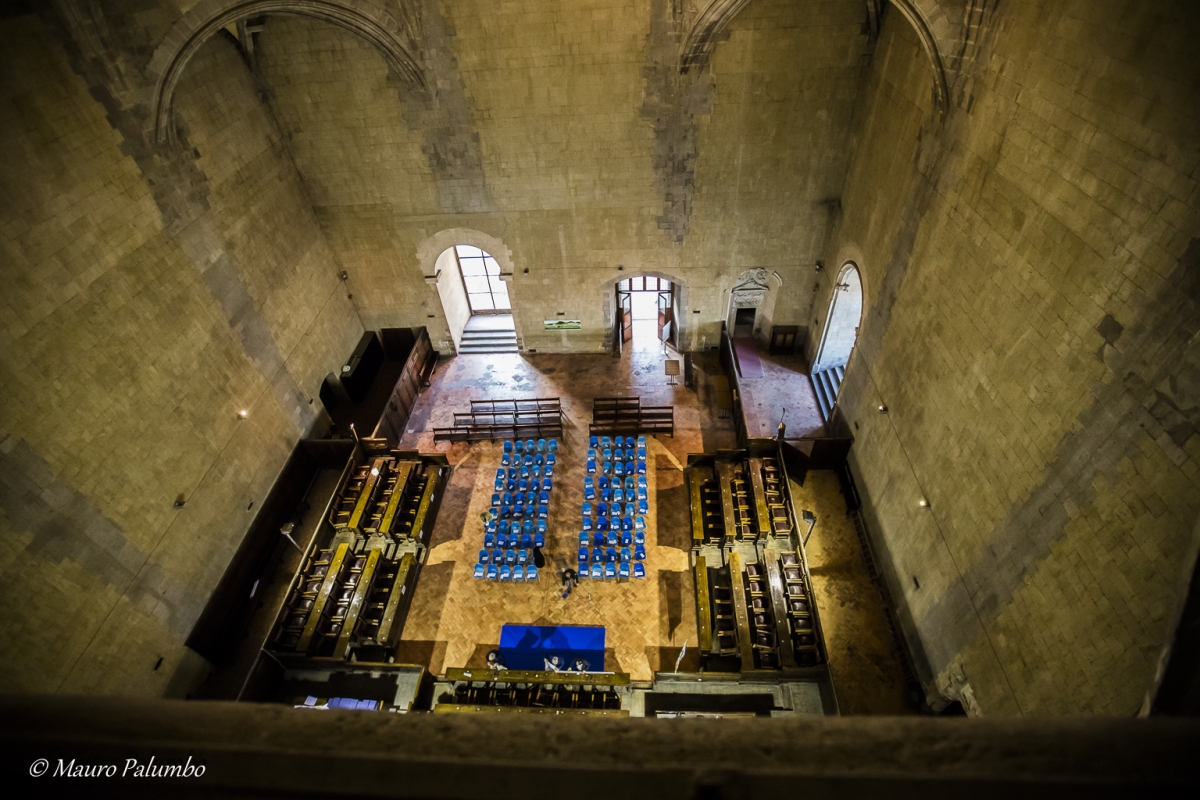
(827, 383)
(488, 341)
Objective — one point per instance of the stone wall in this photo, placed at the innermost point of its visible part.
(139, 319)
(550, 130)
(1032, 280)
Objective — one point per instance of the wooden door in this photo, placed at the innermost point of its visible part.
(625, 301)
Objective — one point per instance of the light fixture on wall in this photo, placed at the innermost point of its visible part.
(923, 503)
(343, 275)
(820, 266)
(242, 414)
(883, 409)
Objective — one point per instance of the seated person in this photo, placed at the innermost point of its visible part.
(553, 664)
(495, 660)
(580, 666)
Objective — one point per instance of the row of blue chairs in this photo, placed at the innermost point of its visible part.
(531, 445)
(528, 460)
(619, 441)
(509, 556)
(504, 526)
(610, 570)
(511, 478)
(503, 572)
(610, 454)
(612, 538)
(617, 468)
(603, 523)
(612, 554)
(514, 540)
(605, 508)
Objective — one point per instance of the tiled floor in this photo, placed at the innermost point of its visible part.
(784, 385)
(456, 619)
(490, 322)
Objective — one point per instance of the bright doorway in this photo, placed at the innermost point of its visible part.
(646, 313)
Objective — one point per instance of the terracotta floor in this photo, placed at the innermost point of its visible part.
(784, 385)
(455, 619)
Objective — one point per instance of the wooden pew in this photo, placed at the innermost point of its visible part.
(725, 470)
(350, 621)
(760, 497)
(403, 471)
(364, 497)
(736, 571)
(386, 636)
(332, 579)
(703, 606)
(779, 603)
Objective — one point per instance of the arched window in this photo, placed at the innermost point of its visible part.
(837, 341)
(486, 292)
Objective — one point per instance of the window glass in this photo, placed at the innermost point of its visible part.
(466, 251)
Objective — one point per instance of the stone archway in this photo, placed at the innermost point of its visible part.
(441, 277)
(395, 38)
(608, 300)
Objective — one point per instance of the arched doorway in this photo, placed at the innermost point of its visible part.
(646, 313)
(838, 338)
(475, 300)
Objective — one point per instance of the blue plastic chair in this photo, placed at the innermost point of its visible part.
(483, 556)
(623, 572)
(508, 446)
(518, 446)
(602, 523)
(518, 573)
(543, 497)
(543, 511)
(523, 485)
(606, 455)
(518, 510)
(552, 445)
(497, 556)
(626, 538)
(639, 523)
(618, 468)
(591, 467)
(531, 573)
(529, 459)
(587, 523)
(598, 538)
(530, 445)
(547, 485)
(639, 569)
(641, 441)
(643, 507)
(510, 556)
(639, 537)
(618, 495)
(489, 541)
(594, 441)
(585, 538)
(541, 526)
(602, 483)
(591, 454)
(611, 538)
(541, 445)
(610, 555)
(586, 509)
(539, 540)
(626, 523)
(639, 552)
(583, 570)
(642, 493)
(606, 495)
(527, 528)
(610, 570)
(641, 481)
(626, 555)
(597, 555)
(597, 570)
(606, 467)
(641, 467)
(522, 557)
(505, 573)
(551, 459)
(605, 441)
(491, 525)
(629, 455)
(589, 489)
(641, 454)
(583, 555)
(505, 525)
(548, 471)
(493, 572)
(499, 485)
(618, 441)
(629, 509)
(602, 509)
(505, 460)
(480, 571)
(526, 541)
